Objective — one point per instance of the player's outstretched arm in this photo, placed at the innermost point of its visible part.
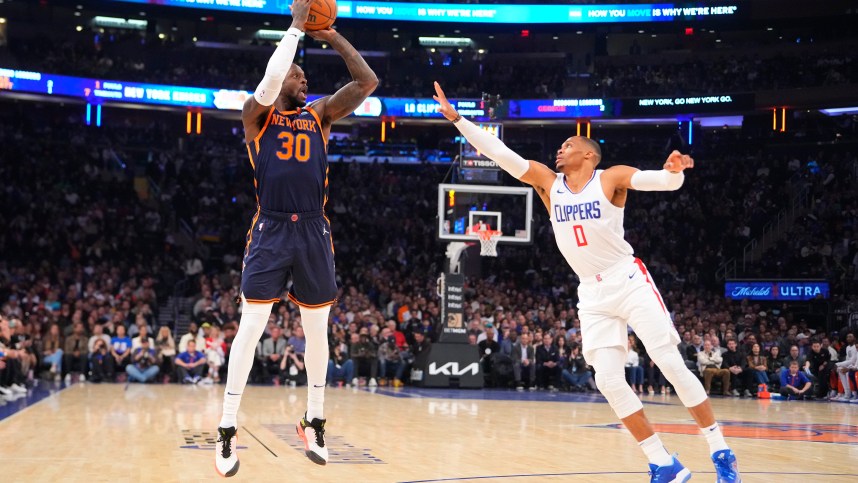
(535, 174)
(256, 107)
(670, 178)
(350, 96)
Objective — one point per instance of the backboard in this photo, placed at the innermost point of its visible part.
(465, 209)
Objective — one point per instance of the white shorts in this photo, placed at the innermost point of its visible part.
(623, 295)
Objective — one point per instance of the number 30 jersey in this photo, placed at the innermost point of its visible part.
(588, 227)
(290, 162)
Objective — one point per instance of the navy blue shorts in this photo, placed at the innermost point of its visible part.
(280, 244)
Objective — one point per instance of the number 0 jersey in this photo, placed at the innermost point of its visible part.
(290, 162)
(588, 227)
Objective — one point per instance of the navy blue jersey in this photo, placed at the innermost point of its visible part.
(290, 162)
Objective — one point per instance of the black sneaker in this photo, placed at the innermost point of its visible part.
(226, 458)
(313, 435)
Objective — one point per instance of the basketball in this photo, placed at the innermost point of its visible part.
(322, 15)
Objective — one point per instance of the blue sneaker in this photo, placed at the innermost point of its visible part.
(675, 473)
(726, 467)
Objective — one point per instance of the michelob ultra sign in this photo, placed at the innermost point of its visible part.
(776, 289)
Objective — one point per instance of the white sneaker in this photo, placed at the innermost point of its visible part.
(82, 378)
(67, 379)
(226, 457)
(372, 382)
(840, 398)
(313, 435)
(355, 382)
(18, 388)
(207, 380)
(5, 391)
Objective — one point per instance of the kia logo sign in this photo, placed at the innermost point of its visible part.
(452, 369)
(776, 290)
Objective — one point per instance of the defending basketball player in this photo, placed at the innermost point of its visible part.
(586, 207)
(290, 234)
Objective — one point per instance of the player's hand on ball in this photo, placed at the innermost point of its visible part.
(300, 12)
(678, 162)
(446, 108)
(325, 35)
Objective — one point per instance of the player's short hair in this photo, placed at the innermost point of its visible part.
(594, 146)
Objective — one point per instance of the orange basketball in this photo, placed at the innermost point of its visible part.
(322, 15)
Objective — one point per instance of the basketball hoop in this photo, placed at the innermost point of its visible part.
(489, 242)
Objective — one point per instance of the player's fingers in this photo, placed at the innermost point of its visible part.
(439, 91)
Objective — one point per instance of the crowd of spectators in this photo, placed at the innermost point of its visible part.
(728, 74)
(408, 70)
(87, 257)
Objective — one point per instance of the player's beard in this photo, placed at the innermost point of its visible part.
(295, 101)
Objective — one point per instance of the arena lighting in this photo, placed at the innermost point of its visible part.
(839, 111)
(267, 34)
(446, 41)
(98, 115)
(119, 23)
(88, 114)
(721, 121)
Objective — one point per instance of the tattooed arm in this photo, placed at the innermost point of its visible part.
(349, 97)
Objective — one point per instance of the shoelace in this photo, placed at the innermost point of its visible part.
(320, 435)
(226, 450)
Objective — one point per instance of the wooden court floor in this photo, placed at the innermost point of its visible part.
(162, 433)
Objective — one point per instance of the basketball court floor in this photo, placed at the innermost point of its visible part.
(116, 432)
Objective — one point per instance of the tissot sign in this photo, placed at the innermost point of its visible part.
(776, 289)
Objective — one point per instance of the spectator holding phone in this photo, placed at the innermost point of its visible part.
(144, 366)
(101, 362)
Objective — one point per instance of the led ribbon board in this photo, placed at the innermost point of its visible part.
(98, 91)
(779, 290)
(454, 12)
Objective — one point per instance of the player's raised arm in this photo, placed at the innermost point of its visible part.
(670, 178)
(256, 107)
(535, 174)
(350, 96)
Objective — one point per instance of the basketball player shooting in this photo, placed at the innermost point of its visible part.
(286, 141)
(586, 208)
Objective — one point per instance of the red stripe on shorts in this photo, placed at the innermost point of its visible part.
(641, 265)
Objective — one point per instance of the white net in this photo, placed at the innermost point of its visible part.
(489, 244)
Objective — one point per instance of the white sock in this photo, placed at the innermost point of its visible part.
(315, 323)
(715, 438)
(655, 452)
(254, 318)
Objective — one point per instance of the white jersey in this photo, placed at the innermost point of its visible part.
(588, 227)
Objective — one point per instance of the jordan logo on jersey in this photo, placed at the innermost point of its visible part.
(581, 211)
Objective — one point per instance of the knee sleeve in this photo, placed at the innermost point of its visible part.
(688, 388)
(611, 381)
